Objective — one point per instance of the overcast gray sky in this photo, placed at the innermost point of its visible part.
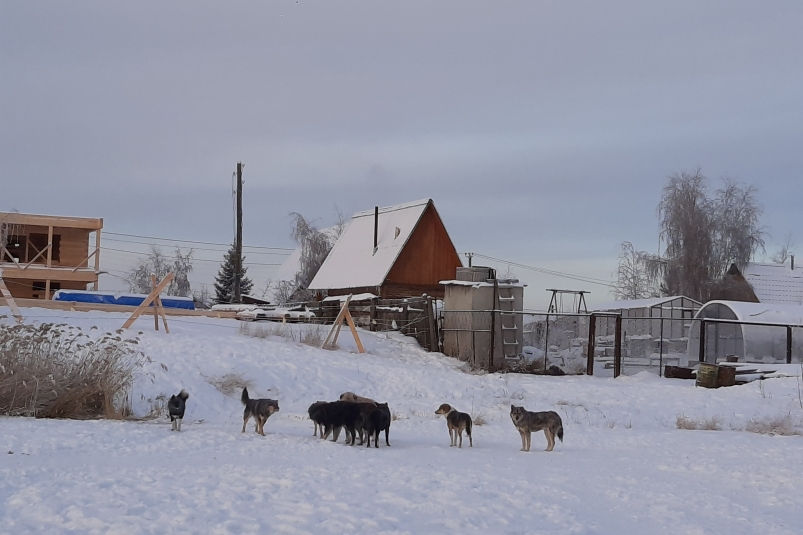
(542, 130)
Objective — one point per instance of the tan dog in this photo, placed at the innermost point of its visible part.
(457, 422)
(354, 398)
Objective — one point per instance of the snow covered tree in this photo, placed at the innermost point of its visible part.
(633, 280)
(224, 282)
(159, 264)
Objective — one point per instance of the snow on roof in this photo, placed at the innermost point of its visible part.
(761, 312)
(353, 263)
(630, 304)
(775, 283)
(355, 297)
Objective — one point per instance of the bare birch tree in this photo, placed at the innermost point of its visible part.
(633, 280)
(703, 235)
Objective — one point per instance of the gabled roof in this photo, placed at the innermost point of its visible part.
(353, 263)
(775, 283)
(630, 304)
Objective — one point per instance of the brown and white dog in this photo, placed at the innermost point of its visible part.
(260, 409)
(457, 422)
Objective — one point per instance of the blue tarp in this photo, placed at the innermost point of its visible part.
(108, 298)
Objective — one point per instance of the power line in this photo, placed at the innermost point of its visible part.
(140, 253)
(198, 242)
(580, 278)
(196, 248)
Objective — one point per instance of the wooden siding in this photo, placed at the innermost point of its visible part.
(428, 257)
(24, 289)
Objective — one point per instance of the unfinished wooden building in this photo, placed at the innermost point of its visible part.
(396, 251)
(40, 254)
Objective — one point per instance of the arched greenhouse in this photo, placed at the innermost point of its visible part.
(763, 337)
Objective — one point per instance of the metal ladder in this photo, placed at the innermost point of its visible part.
(507, 320)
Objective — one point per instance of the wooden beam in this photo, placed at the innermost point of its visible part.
(35, 258)
(338, 322)
(353, 328)
(41, 272)
(9, 299)
(97, 256)
(159, 309)
(148, 300)
(11, 256)
(79, 266)
(89, 223)
(334, 332)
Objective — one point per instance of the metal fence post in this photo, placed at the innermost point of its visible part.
(661, 349)
(701, 354)
(617, 348)
(592, 335)
(789, 344)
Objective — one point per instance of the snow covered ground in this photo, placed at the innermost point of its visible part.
(624, 467)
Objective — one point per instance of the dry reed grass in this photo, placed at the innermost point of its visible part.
(57, 371)
(311, 334)
(230, 383)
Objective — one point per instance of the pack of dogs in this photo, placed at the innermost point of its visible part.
(365, 418)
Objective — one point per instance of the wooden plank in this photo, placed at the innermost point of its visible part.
(124, 309)
(46, 249)
(39, 220)
(335, 330)
(9, 299)
(353, 328)
(79, 266)
(151, 296)
(159, 308)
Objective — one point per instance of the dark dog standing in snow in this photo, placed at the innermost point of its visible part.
(374, 420)
(260, 409)
(176, 407)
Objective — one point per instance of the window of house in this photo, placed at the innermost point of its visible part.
(15, 245)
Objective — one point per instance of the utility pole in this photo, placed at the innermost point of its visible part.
(238, 242)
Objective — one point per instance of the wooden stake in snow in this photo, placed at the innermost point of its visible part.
(148, 300)
(158, 308)
(10, 299)
(335, 330)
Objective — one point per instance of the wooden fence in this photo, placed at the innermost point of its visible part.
(412, 316)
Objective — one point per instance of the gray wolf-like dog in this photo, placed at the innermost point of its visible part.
(354, 398)
(527, 422)
(260, 409)
(176, 407)
(457, 422)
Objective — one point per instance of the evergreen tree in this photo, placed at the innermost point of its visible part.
(224, 282)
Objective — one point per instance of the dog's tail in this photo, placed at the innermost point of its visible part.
(560, 431)
(183, 395)
(469, 423)
(244, 398)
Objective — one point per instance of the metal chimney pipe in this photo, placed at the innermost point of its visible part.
(793, 261)
(376, 227)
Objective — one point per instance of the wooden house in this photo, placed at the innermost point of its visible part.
(780, 284)
(40, 254)
(396, 251)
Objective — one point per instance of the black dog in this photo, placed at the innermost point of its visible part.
(314, 415)
(375, 421)
(336, 415)
(176, 407)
